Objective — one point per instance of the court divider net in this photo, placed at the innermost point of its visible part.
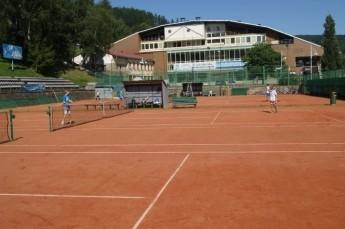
(6, 126)
(78, 114)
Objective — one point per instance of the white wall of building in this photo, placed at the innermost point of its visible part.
(185, 32)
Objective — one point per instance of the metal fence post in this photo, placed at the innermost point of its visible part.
(11, 125)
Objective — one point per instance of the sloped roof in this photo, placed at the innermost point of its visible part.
(125, 55)
(221, 21)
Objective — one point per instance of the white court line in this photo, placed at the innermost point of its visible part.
(333, 119)
(136, 225)
(172, 117)
(196, 126)
(175, 144)
(69, 196)
(215, 118)
(176, 152)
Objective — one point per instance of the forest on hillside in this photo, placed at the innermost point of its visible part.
(317, 39)
(53, 32)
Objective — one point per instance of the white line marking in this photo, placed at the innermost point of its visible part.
(178, 152)
(178, 144)
(215, 118)
(69, 196)
(136, 225)
(331, 118)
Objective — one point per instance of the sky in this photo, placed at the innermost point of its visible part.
(295, 17)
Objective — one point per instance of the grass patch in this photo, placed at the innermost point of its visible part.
(19, 70)
(78, 77)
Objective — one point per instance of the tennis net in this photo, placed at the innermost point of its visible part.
(83, 113)
(6, 127)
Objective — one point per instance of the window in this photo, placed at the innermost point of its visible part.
(207, 56)
(197, 56)
(227, 54)
(183, 57)
(212, 55)
(232, 54)
(237, 54)
(202, 56)
(142, 46)
(178, 57)
(156, 46)
(187, 57)
(243, 40)
(192, 56)
(151, 46)
(258, 39)
(146, 46)
(232, 40)
(248, 39)
(242, 53)
(217, 55)
(222, 55)
(238, 39)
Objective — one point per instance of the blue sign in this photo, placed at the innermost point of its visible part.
(34, 87)
(12, 52)
(230, 64)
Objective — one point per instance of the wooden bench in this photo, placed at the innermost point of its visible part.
(184, 101)
(101, 106)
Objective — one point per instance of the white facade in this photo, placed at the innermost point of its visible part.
(185, 32)
(202, 46)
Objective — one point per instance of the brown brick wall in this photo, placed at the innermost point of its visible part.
(130, 44)
(299, 48)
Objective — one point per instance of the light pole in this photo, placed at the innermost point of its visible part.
(311, 62)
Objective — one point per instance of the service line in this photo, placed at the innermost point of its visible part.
(136, 225)
(68, 196)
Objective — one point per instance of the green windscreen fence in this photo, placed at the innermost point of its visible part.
(6, 126)
(12, 103)
(324, 87)
(256, 75)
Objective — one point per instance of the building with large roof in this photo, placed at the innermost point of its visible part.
(206, 45)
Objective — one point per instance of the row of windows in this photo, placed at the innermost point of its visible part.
(232, 41)
(207, 55)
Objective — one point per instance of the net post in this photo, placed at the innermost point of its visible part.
(103, 108)
(50, 118)
(11, 125)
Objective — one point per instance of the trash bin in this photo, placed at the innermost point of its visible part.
(333, 98)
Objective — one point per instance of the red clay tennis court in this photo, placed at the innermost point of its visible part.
(229, 163)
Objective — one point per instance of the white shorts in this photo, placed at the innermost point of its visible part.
(67, 110)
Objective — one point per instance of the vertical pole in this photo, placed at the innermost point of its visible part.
(311, 61)
(12, 65)
(281, 62)
(11, 125)
(50, 118)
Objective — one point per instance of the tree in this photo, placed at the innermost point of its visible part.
(262, 55)
(331, 58)
(261, 59)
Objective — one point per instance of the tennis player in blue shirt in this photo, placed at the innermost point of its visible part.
(66, 108)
